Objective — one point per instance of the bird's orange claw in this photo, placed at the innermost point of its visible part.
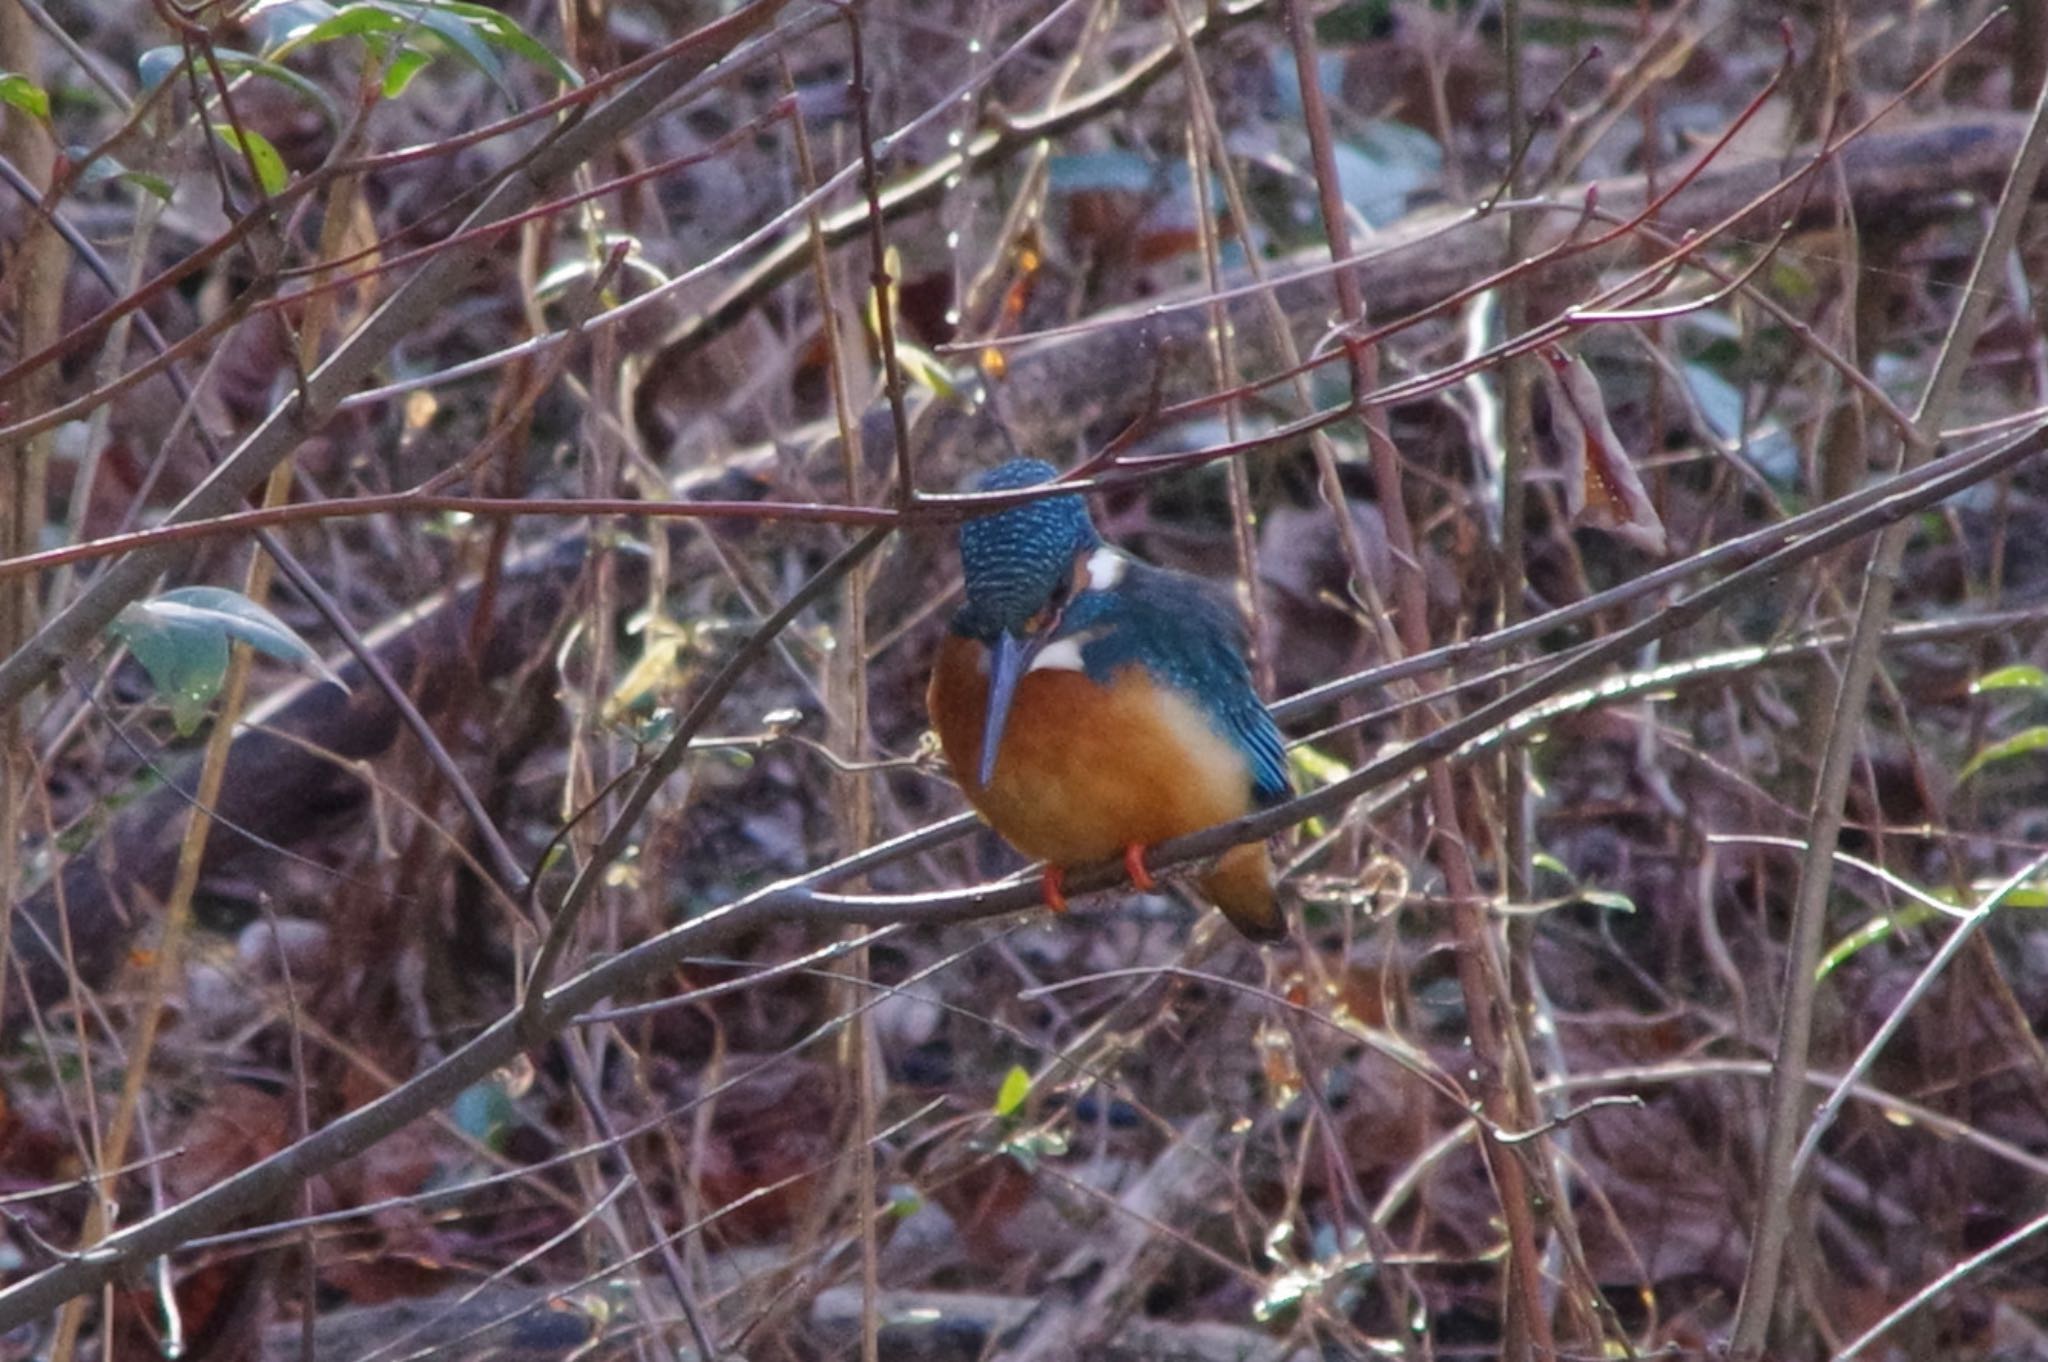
(1134, 862)
(1054, 884)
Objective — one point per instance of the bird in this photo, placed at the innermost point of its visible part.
(1091, 704)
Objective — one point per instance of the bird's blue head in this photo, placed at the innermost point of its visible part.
(1019, 560)
(1019, 565)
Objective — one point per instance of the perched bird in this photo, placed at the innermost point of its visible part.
(1091, 704)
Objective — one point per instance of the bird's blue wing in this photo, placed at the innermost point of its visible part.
(1187, 634)
(1255, 731)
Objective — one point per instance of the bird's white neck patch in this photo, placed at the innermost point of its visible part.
(1060, 655)
(1105, 568)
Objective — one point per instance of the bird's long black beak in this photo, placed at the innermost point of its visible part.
(1009, 658)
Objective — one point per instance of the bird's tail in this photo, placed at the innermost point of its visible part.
(1241, 884)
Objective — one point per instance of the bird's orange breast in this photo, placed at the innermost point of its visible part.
(1086, 769)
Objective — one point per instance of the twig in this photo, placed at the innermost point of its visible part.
(1983, 1258)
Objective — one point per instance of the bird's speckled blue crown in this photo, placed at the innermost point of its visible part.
(1015, 559)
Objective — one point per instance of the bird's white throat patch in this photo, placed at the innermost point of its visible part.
(1105, 569)
(1060, 655)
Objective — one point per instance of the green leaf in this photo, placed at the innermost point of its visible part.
(483, 1112)
(1016, 1087)
(374, 26)
(91, 171)
(350, 21)
(1315, 765)
(284, 20)
(1314, 768)
(159, 63)
(25, 95)
(1879, 928)
(2017, 677)
(926, 369)
(1029, 1146)
(1384, 166)
(153, 184)
(404, 66)
(181, 640)
(1606, 900)
(1720, 401)
(1915, 913)
(458, 33)
(501, 30)
(258, 154)
(101, 168)
(469, 31)
(2020, 744)
(241, 618)
(186, 662)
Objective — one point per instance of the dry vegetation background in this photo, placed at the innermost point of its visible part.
(609, 972)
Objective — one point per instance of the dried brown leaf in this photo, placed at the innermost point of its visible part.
(1601, 486)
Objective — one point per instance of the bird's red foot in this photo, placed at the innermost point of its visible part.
(1053, 882)
(1134, 862)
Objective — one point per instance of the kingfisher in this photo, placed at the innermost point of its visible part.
(1091, 704)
